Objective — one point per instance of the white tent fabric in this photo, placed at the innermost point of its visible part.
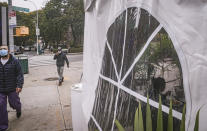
(88, 3)
(186, 23)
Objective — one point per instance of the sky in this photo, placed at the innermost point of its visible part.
(27, 4)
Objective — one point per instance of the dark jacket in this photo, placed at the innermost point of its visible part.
(61, 59)
(11, 76)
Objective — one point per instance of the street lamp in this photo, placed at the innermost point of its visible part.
(11, 38)
(37, 29)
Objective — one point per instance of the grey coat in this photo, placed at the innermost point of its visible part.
(61, 59)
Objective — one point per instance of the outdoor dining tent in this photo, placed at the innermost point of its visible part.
(137, 47)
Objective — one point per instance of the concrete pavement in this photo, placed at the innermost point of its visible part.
(46, 107)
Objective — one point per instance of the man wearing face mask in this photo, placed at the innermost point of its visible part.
(61, 58)
(11, 83)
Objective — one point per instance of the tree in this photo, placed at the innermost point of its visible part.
(75, 17)
(60, 21)
(3, 4)
(61, 16)
(26, 19)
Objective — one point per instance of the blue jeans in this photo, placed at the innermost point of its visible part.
(60, 70)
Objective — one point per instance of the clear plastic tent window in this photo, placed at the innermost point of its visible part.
(139, 59)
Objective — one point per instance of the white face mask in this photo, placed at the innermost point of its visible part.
(59, 51)
(3, 52)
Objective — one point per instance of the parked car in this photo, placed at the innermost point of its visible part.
(65, 50)
(27, 48)
(18, 50)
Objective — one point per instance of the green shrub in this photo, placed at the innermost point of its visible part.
(119, 126)
(55, 50)
(182, 125)
(138, 121)
(159, 116)
(76, 49)
(148, 116)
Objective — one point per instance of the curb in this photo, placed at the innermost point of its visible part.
(78, 53)
(50, 54)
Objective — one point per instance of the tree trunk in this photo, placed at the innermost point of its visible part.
(74, 36)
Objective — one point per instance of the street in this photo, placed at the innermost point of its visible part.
(46, 60)
(46, 106)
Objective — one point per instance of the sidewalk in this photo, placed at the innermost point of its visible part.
(46, 107)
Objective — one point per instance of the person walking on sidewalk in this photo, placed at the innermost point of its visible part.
(11, 83)
(61, 58)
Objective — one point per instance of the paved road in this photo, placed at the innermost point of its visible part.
(45, 60)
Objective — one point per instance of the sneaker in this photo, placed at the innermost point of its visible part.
(18, 114)
(60, 83)
(5, 129)
(8, 129)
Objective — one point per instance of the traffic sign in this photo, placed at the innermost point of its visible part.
(15, 8)
(12, 14)
(37, 31)
(12, 18)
